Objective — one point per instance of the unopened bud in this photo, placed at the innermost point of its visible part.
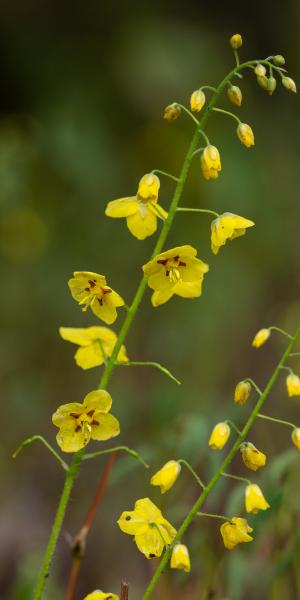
(262, 81)
(236, 41)
(271, 85)
(235, 95)
(289, 84)
(278, 60)
(197, 100)
(260, 70)
(172, 112)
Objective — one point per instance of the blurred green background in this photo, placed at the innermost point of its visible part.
(83, 87)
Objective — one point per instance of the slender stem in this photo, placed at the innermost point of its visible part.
(124, 591)
(190, 468)
(200, 210)
(197, 151)
(116, 449)
(275, 328)
(41, 439)
(227, 112)
(294, 354)
(284, 368)
(165, 174)
(63, 503)
(149, 363)
(233, 426)
(237, 477)
(276, 420)
(205, 514)
(188, 112)
(208, 87)
(254, 385)
(236, 56)
(195, 509)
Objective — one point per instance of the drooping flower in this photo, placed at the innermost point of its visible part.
(261, 337)
(235, 532)
(252, 458)
(197, 100)
(166, 476)
(260, 70)
(95, 345)
(254, 499)
(172, 112)
(234, 94)
(293, 385)
(176, 271)
(142, 210)
(227, 227)
(180, 558)
(289, 84)
(210, 162)
(236, 41)
(151, 531)
(91, 289)
(99, 595)
(242, 392)
(296, 437)
(219, 436)
(79, 423)
(245, 134)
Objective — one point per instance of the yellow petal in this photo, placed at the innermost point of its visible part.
(122, 207)
(180, 558)
(166, 476)
(189, 289)
(99, 400)
(132, 523)
(90, 356)
(150, 543)
(161, 297)
(77, 335)
(107, 428)
(143, 223)
(70, 440)
(148, 187)
(107, 310)
(157, 210)
(99, 595)
(62, 415)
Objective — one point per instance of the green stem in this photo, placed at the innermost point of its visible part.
(275, 328)
(294, 354)
(208, 87)
(41, 439)
(276, 420)
(165, 174)
(213, 516)
(190, 468)
(237, 477)
(188, 112)
(254, 385)
(149, 363)
(235, 448)
(200, 210)
(227, 112)
(284, 368)
(116, 449)
(59, 517)
(233, 426)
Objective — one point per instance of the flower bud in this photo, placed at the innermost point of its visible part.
(235, 532)
(166, 476)
(271, 85)
(261, 337)
(293, 385)
(180, 558)
(278, 60)
(252, 458)
(262, 81)
(245, 134)
(197, 100)
(172, 112)
(260, 70)
(219, 436)
(289, 84)
(296, 437)
(210, 162)
(242, 392)
(148, 187)
(254, 499)
(235, 95)
(236, 41)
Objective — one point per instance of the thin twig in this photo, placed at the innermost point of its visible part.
(124, 591)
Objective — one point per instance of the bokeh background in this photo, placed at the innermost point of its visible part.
(83, 86)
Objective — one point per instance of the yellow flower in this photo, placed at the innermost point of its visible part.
(219, 436)
(260, 70)
(242, 392)
(236, 41)
(261, 337)
(252, 458)
(245, 134)
(254, 499)
(96, 344)
(227, 227)
(210, 162)
(99, 595)
(176, 271)
(180, 558)
(79, 423)
(235, 532)
(293, 385)
(235, 95)
(172, 112)
(91, 289)
(197, 100)
(166, 476)
(152, 532)
(296, 437)
(141, 211)
(289, 84)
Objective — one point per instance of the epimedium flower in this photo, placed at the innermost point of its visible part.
(166, 476)
(242, 392)
(261, 337)
(245, 134)
(151, 531)
(289, 84)
(172, 112)
(142, 210)
(252, 458)
(234, 94)
(180, 558)
(197, 100)
(79, 423)
(95, 345)
(99, 595)
(176, 271)
(293, 385)
(219, 436)
(227, 227)
(91, 289)
(296, 437)
(254, 499)
(236, 41)
(210, 162)
(235, 532)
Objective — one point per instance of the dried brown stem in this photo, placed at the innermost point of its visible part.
(124, 591)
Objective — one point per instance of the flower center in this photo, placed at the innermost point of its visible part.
(172, 268)
(84, 420)
(96, 289)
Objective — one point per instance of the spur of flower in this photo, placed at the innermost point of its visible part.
(140, 211)
(79, 423)
(99, 595)
(210, 162)
(91, 289)
(151, 531)
(180, 558)
(254, 499)
(176, 271)
(227, 227)
(219, 436)
(166, 476)
(252, 458)
(235, 532)
(95, 345)
(293, 385)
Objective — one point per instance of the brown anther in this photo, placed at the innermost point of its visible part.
(176, 258)
(167, 272)
(92, 282)
(95, 422)
(78, 428)
(100, 301)
(162, 262)
(181, 264)
(90, 413)
(106, 290)
(75, 415)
